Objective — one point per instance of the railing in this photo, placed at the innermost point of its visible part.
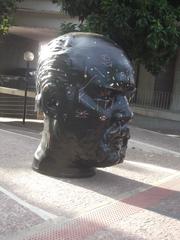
(154, 100)
(13, 106)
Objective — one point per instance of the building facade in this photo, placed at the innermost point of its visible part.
(159, 95)
(35, 23)
(38, 21)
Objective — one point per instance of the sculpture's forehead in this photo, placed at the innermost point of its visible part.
(89, 48)
(106, 58)
(92, 55)
(87, 45)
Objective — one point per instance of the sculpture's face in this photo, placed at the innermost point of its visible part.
(83, 83)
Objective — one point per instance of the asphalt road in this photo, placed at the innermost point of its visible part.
(31, 203)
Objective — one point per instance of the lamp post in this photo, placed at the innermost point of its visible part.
(28, 57)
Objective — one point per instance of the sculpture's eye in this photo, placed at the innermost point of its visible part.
(123, 88)
(100, 98)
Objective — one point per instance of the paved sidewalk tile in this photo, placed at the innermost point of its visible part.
(15, 217)
(136, 217)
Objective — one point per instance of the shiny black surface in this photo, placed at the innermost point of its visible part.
(83, 82)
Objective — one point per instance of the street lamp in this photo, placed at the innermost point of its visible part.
(28, 57)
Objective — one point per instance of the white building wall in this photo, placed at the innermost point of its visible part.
(39, 6)
(40, 20)
(40, 14)
(145, 86)
(35, 21)
(175, 105)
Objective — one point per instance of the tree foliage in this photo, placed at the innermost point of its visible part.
(7, 7)
(147, 29)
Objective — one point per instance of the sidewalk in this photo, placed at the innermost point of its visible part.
(157, 124)
(30, 124)
(136, 200)
(151, 214)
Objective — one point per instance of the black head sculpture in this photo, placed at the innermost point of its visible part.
(83, 82)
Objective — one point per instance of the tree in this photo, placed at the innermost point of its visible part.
(7, 7)
(147, 29)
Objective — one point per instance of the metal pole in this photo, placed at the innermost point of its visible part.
(25, 92)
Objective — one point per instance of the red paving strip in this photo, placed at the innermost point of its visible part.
(149, 197)
(101, 218)
(154, 195)
(84, 226)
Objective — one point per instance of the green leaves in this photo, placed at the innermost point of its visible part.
(68, 27)
(147, 29)
(4, 25)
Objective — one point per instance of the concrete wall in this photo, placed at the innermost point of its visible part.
(39, 6)
(175, 104)
(12, 52)
(41, 20)
(145, 86)
(33, 23)
(40, 14)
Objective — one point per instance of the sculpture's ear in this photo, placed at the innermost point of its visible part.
(50, 100)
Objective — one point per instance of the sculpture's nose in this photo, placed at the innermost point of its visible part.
(122, 112)
(122, 116)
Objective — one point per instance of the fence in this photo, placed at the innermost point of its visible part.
(13, 106)
(154, 100)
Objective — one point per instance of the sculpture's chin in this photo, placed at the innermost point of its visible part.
(107, 160)
(108, 156)
(75, 153)
(113, 146)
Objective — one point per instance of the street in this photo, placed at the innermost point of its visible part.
(138, 199)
